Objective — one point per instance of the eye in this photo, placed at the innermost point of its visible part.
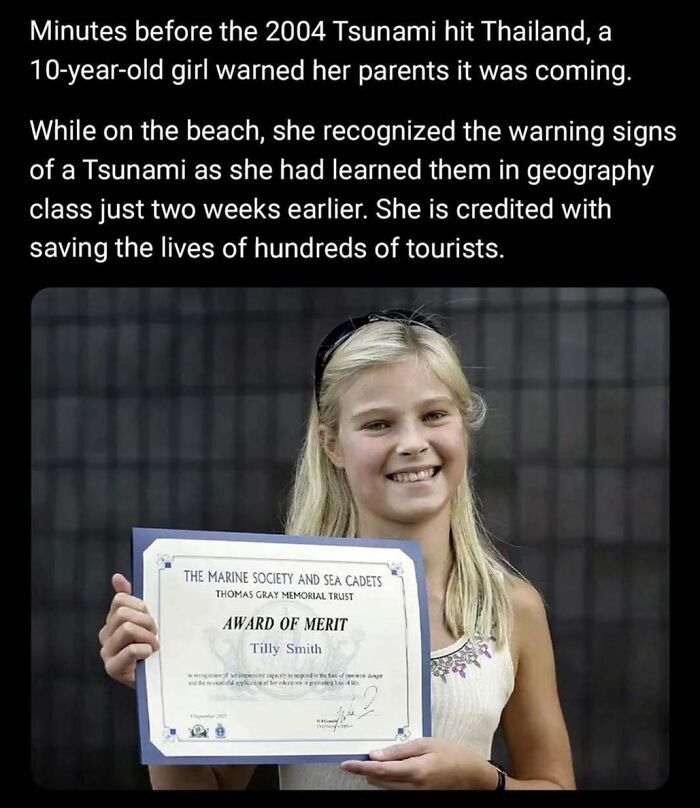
(376, 426)
(435, 416)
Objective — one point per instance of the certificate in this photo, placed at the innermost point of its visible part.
(278, 649)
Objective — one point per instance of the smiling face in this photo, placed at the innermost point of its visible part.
(401, 443)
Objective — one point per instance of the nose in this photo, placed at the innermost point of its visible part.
(411, 441)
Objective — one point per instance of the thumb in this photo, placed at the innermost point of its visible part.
(120, 583)
(402, 750)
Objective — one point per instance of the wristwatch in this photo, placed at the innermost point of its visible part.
(501, 777)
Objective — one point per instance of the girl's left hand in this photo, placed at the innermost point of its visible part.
(429, 763)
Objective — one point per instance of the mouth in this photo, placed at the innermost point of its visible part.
(414, 476)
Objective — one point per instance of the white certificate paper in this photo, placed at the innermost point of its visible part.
(278, 649)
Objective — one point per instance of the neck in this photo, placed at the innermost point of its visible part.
(433, 535)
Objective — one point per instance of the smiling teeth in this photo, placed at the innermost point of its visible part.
(413, 476)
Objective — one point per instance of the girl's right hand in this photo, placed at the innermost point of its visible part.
(129, 633)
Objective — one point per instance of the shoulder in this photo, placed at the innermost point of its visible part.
(524, 597)
(529, 616)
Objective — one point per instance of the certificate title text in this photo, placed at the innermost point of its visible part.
(197, 576)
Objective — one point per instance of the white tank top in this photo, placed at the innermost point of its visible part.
(471, 683)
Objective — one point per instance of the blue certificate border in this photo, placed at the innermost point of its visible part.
(143, 537)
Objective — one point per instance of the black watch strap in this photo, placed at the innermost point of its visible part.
(501, 777)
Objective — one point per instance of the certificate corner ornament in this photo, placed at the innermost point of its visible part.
(164, 561)
(402, 734)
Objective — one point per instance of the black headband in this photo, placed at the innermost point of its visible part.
(341, 333)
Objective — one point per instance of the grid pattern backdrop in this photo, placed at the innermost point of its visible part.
(185, 408)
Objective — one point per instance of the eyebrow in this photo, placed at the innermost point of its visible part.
(428, 402)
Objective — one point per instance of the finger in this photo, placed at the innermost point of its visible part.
(120, 583)
(125, 614)
(122, 599)
(401, 751)
(362, 767)
(122, 667)
(128, 634)
(393, 770)
(392, 785)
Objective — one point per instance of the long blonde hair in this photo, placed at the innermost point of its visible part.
(322, 504)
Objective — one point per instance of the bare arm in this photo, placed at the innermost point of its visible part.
(532, 721)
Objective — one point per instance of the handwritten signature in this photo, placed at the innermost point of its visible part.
(368, 698)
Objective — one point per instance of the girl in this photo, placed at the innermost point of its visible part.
(386, 456)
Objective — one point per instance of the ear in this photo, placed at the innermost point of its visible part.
(331, 446)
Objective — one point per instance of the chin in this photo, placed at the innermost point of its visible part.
(415, 515)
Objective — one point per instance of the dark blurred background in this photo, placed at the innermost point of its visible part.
(185, 408)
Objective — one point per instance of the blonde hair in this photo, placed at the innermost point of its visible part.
(322, 504)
